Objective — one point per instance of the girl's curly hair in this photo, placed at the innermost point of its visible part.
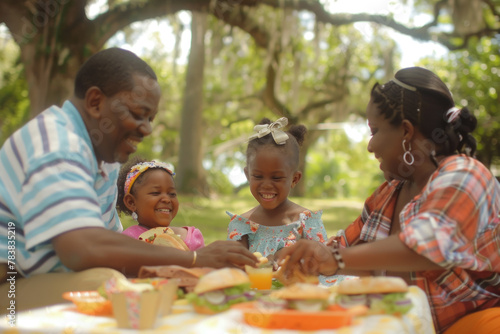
(122, 176)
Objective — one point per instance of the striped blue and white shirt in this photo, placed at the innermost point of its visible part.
(51, 183)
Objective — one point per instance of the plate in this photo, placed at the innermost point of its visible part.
(89, 302)
(334, 317)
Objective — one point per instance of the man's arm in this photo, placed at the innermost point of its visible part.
(97, 247)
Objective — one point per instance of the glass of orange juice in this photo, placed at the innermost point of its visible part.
(260, 278)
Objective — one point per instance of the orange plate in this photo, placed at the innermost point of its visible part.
(89, 302)
(334, 317)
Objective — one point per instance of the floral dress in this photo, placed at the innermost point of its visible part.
(269, 239)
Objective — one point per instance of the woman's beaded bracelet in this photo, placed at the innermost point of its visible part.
(338, 257)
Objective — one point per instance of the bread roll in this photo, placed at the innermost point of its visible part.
(372, 284)
(221, 279)
(301, 291)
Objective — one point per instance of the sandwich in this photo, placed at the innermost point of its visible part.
(187, 277)
(218, 290)
(297, 276)
(262, 260)
(382, 295)
(163, 236)
(303, 297)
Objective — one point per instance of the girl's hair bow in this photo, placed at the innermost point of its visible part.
(279, 136)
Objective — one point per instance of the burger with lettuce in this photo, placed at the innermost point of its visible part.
(304, 297)
(218, 290)
(382, 295)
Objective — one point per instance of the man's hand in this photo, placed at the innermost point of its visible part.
(313, 257)
(224, 253)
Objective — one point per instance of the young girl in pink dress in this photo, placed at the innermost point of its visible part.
(146, 191)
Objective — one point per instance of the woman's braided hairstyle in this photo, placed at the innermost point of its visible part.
(426, 108)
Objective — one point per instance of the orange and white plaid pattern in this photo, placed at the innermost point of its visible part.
(455, 223)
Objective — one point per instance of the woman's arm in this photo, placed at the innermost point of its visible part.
(387, 254)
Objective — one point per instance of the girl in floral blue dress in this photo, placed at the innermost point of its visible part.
(272, 172)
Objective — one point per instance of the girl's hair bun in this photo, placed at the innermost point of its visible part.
(299, 132)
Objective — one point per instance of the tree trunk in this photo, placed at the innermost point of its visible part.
(191, 176)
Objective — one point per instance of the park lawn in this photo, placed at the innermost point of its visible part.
(209, 214)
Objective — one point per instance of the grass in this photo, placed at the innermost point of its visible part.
(209, 214)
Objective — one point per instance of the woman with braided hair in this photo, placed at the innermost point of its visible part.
(435, 221)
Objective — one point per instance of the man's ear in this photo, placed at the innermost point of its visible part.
(93, 101)
(296, 178)
(129, 201)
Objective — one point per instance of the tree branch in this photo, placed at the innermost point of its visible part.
(123, 14)
(422, 33)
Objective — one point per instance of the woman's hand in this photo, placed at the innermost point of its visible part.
(313, 257)
(224, 253)
(331, 240)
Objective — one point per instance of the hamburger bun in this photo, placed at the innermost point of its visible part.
(372, 284)
(301, 291)
(221, 279)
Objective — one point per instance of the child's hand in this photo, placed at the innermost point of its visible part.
(275, 258)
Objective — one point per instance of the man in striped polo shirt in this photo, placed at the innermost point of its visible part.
(58, 223)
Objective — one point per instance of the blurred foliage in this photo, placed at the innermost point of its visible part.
(317, 61)
(473, 76)
(477, 87)
(14, 99)
(341, 167)
(234, 78)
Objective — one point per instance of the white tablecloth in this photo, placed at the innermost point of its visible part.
(63, 318)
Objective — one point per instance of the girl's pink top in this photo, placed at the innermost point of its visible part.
(194, 238)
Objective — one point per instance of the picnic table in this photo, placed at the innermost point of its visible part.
(64, 318)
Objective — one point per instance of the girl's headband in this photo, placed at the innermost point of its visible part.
(140, 168)
(279, 136)
(402, 84)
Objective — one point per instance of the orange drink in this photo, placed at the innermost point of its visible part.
(260, 278)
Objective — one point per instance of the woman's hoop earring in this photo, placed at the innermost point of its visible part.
(408, 158)
(134, 216)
